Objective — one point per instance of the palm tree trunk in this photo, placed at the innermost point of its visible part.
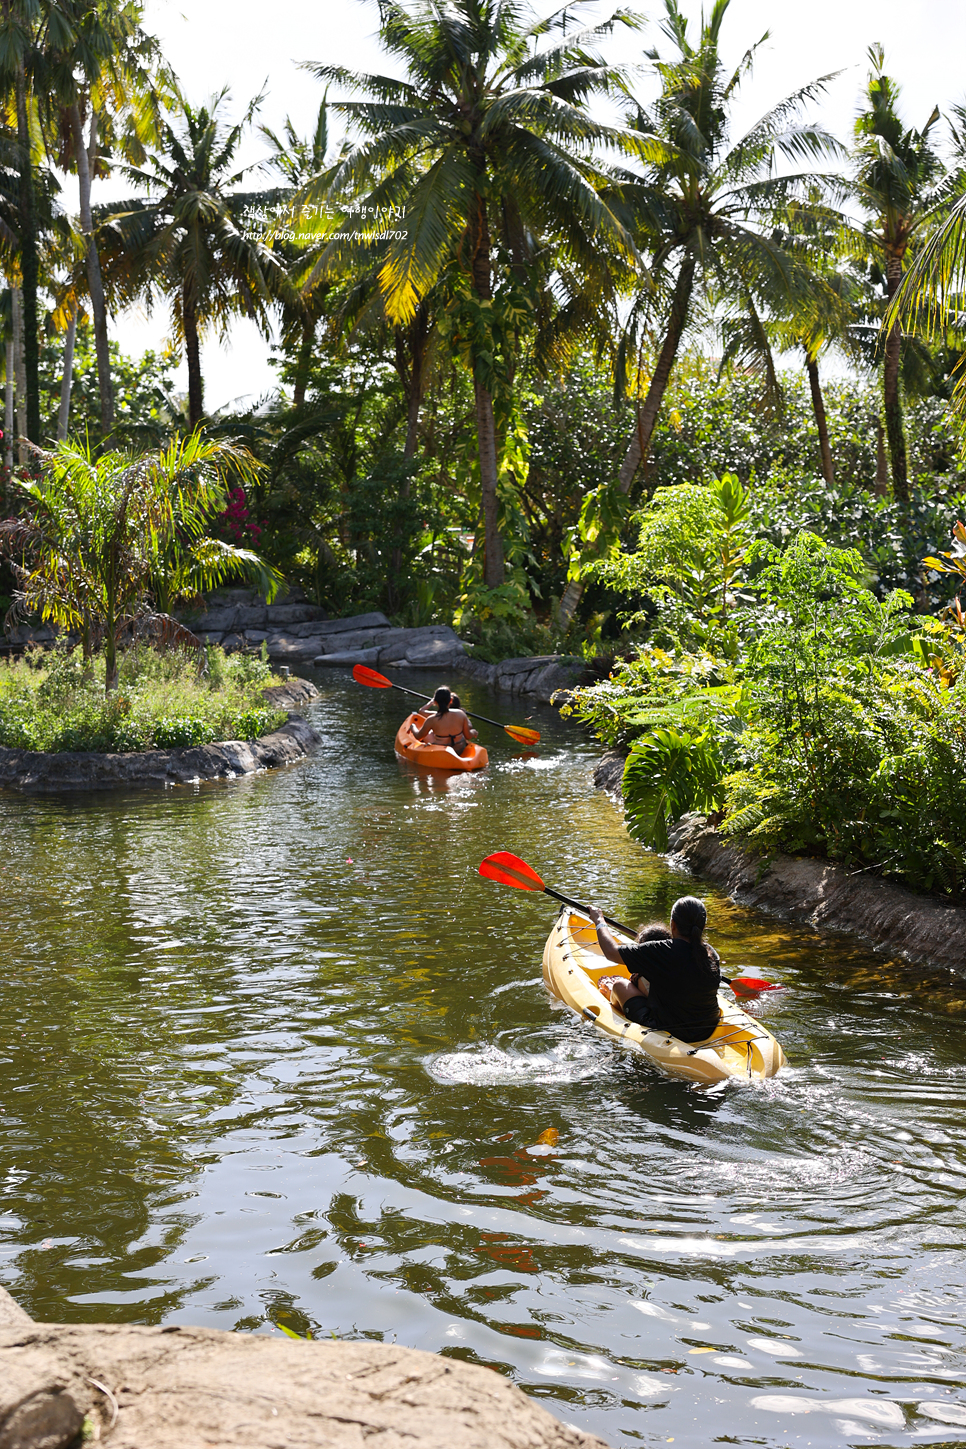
(20, 375)
(86, 158)
(890, 388)
(412, 376)
(648, 414)
(881, 461)
(29, 263)
(493, 562)
(821, 421)
(63, 416)
(649, 410)
(303, 363)
(8, 412)
(192, 350)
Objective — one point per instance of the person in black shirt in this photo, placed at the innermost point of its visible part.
(674, 983)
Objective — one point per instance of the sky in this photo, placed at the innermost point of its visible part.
(251, 47)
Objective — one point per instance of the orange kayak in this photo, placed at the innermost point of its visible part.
(437, 757)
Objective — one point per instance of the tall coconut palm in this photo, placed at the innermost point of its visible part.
(705, 213)
(486, 148)
(932, 295)
(899, 180)
(297, 160)
(103, 85)
(709, 205)
(193, 241)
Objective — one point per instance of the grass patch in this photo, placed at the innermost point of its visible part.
(52, 701)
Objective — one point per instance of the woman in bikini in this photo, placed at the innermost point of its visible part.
(449, 725)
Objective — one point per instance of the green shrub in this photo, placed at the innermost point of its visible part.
(835, 727)
(54, 701)
(181, 734)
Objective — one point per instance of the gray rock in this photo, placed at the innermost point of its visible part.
(291, 694)
(342, 658)
(553, 678)
(255, 636)
(309, 629)
(359, 621)
(281, 616)
(287, 649)
(211, 638)
(354, 639)
(434, 654)
(35, 773)
(216, 621)
(609, 772)
(233, 641)
(251, 616)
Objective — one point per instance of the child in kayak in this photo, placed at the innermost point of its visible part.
(674, 980)
(449, 725)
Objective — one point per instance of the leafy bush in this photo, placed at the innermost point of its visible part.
(54, 702)
(835, 727)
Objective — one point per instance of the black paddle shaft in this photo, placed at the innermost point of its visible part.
(416, 693)
(583, 910)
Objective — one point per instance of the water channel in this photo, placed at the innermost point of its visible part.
(273, 1053)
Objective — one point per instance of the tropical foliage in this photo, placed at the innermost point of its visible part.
(107, 545)
(53, 701)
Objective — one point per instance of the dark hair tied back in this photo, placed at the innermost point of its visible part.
(442, 699)
(690, 917)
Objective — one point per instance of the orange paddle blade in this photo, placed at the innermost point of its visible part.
(362, 675)
(511, 870)
(521, 734)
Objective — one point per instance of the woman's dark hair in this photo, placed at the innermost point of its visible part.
(690, 917)
(657, 931)
(442, 699)
(454, 702)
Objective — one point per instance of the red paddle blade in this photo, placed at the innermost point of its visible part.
(749, 985)
(510, 870)
(362, 675)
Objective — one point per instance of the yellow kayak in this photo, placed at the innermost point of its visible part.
(572, 965)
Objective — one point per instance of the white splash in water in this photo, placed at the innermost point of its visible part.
(489, 1066)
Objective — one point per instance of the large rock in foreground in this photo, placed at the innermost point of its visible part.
(200, 1388)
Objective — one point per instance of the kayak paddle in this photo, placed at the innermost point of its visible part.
(362, 674)
(751, 985)
(510, 870)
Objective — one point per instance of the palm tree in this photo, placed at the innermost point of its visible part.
(932, 293)
(486, 149)
(899, 181)
(298, 160)
(100, 69)
(192, 242)
(103, 541)
(705, 211)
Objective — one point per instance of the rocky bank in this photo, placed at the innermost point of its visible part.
(34, 772)
(819, 893)
(201, 1388)
(300, 633)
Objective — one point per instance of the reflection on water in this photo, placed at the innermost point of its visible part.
(274, 1053)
